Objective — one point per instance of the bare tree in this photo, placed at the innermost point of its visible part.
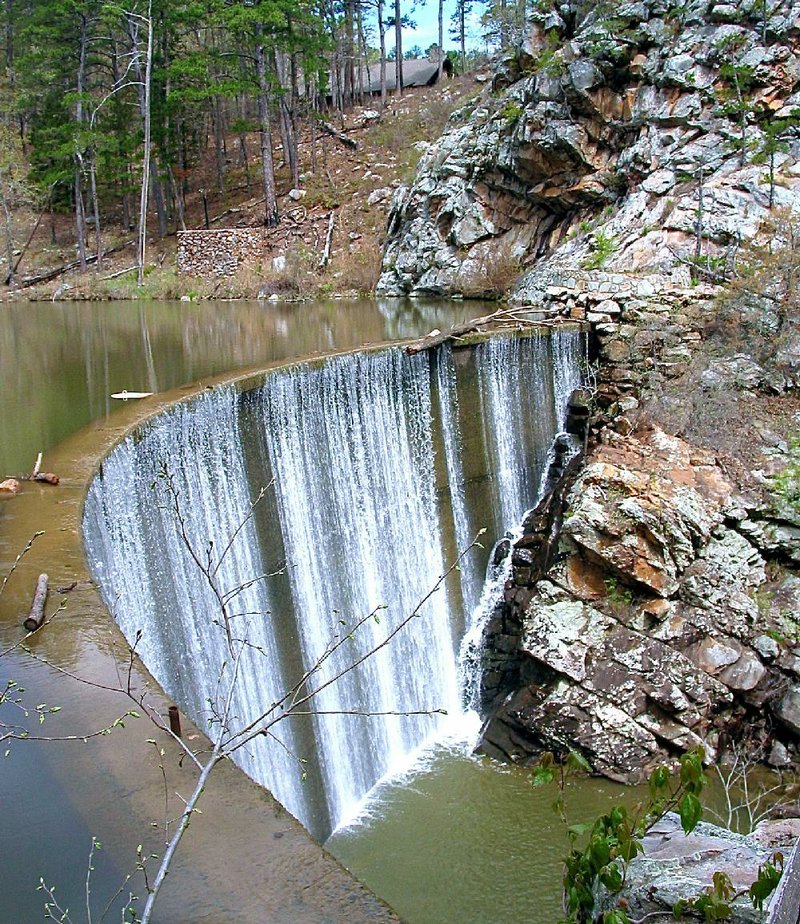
(227, 735)
(748, 799)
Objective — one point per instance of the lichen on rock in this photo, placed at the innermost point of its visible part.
(643, 635)
(591, 149)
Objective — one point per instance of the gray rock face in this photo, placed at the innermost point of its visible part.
(677, 866)
(644, 634)
(600, 129)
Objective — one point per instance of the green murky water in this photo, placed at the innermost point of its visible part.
(459, 840)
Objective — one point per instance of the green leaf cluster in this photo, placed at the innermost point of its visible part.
(601, 851)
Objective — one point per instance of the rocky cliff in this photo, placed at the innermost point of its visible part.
(647, 137)
(624, 165)
(664, 618)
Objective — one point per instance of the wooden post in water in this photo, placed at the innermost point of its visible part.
(175, 721)
(36, 615)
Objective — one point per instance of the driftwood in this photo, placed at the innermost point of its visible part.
(326, 253)
(130, 269)
(36, 615)
(47, 478)
(339, 136)
(49, 275)
(38, 475)
(514, 316)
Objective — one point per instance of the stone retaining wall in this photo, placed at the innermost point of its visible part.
(642, 326)
(219, 252)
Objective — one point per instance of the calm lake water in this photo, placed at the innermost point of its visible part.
(459, 840)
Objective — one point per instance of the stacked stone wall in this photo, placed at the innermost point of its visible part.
(642, 327)
(221, 251)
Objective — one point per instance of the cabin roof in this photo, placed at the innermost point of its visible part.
(417, 72)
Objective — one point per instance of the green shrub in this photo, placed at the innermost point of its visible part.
(603, 247)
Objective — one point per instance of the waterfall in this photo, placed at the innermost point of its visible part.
(447, 388)
(351, 448)
(506, 368)
(153, 586)
(379, 467)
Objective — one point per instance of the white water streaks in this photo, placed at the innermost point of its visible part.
(162, 602)
(380, 467)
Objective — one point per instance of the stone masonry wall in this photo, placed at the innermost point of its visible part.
(221, 251)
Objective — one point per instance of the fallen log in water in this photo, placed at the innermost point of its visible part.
(36, 615)
(47, 478)
(38, 475)
(517, 316)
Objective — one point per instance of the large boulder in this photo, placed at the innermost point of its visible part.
(676, 866)
(645, 632)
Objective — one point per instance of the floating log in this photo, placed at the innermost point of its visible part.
(36, 615)
(38, 475)
(46, 477)
(339, 136)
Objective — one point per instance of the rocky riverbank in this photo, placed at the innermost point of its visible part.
(638, 169)
(663, 618)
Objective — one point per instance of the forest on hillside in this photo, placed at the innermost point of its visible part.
(108, 108)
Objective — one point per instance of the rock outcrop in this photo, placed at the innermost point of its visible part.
(677, 866)
(597, 146)
(654, 624)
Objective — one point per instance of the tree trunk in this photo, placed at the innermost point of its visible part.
(348, 54)
(294, 96)
(98, 247)
(441, 38)
(462, 34)
(159, 199)
(265, 130)
(288, 137)
(80, 215)
(9, 223)
(312, 95)
(9, 43)
(80, 218)
(178, 193)
(219, 152)
(382, 34)
(361, 63)
(398, 47)
(141, 251)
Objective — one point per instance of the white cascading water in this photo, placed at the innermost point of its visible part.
(497, 386)
(348, 451)
(351, 449)
(465, 529)
(154, 588)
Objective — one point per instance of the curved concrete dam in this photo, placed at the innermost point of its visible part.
(263, 538)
